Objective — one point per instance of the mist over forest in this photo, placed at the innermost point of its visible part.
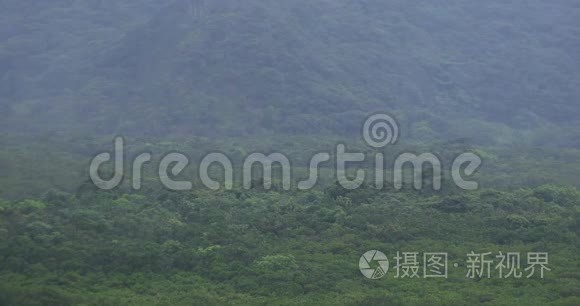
(499, 79)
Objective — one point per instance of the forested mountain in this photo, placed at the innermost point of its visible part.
(490, 70)
(496, 80)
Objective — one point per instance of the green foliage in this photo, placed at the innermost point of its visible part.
(270, 247)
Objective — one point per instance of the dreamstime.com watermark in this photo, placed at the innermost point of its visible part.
(379, 131)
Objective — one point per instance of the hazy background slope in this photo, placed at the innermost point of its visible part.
(494, 71)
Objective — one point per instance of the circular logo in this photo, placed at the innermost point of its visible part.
(373, 264)
(380, 130)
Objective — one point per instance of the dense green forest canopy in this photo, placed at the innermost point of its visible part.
(256, 247)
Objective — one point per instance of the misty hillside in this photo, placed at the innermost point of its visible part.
(479, 69)
(209, 152)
